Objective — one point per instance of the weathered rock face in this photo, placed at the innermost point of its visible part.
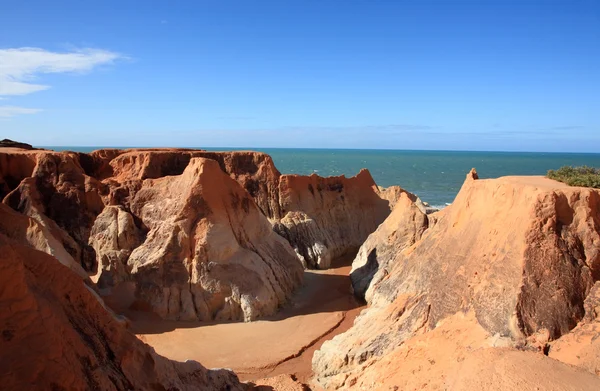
(322, 218)
(253, 170)
(257, 175)
(56, 335)
(53, 189)
(209, 252)
(14, 167)
(403, 228)
(521, 253)
(581, 347)
(114, 236)
(28, 231)
(192, 230)
(460, 355)
(188, 237)
(325, 218)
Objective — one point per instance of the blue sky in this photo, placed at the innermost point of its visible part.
(465, 75)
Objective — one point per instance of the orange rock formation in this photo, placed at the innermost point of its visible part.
(325, 218)
(189, 233)
(403, 227)
(188, 238)
(500, 290)
(519, 254)
(57, 335)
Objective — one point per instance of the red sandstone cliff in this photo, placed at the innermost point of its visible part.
(322, 218)
(509, 264)
(190, 232)
(57, 335)
(187, 238)
(403, 228)
(204, 250)
(470, 298)
(325, 218)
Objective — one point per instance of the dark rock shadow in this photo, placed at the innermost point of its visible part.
(361, 278)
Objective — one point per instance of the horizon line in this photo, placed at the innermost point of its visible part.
(308, 148)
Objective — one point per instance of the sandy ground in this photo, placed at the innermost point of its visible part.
(538, 181)
(283, 344)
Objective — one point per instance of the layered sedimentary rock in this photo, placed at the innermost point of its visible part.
(143, 218)
(325, 218)
(152, 219)
(581, 346)
(459, 355)
(184, 236)
(254, 171)
(209, 253)
(521, 254)
(28, 231)
(56, 335)
(403, 228)
(53, 189)
(322, 218)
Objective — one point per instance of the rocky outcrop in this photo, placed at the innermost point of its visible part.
(113, 237)
(14, 167)
(208, 253)
(6, 143)
(403, 228)
(520, 253)
(257, 174)
(254, 171)
(28, 231)
(58, 194)
(325, 218)
(581, 346)
(56, 335)
(460, 355)
(174, 227)
(322, 218)
(190, 232)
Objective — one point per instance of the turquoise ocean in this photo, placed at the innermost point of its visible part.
(435, 176)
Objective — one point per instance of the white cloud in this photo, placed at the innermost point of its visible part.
(11, 111)
(20, 67)
(8, 87)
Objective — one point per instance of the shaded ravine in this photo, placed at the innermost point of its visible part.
(282, 344)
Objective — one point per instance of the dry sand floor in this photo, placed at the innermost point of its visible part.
(283, 344)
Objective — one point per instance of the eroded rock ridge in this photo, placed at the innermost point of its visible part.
(189, 234)
(57, 335)
(510, 266)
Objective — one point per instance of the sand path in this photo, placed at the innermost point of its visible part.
(283, 344)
